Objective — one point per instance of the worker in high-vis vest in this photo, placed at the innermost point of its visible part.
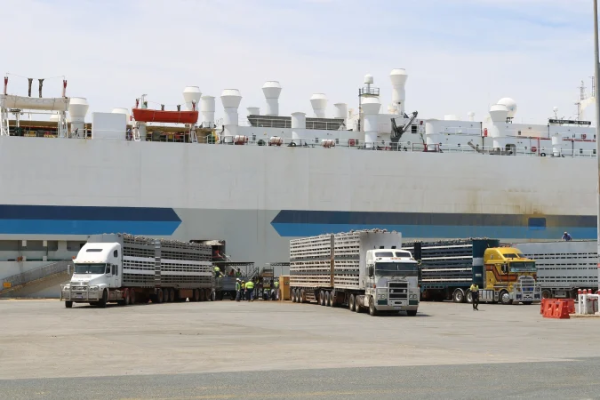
(275, 295)
(475, 295)
(238, 289)
(218, 272)
(250, 290)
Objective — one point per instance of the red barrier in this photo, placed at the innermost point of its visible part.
(558, 309)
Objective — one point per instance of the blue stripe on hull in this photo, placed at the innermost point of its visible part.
(82, 220)
(439, 231)
(82, 227)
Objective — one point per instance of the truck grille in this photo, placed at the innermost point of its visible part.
(398, 290)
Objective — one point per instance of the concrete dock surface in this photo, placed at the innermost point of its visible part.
(226, 350)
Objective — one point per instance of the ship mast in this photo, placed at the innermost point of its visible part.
(596, 92)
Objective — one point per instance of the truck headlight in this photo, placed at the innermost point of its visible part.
(93, 288)
(381, 296)
(413, 296)
(66, 287)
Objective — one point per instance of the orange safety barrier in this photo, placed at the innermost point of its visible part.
(558, 309)
(570, 305)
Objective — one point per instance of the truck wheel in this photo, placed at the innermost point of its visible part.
(322, 298)
(293, 295)
(411, 313)
(195, 295)
(127, 298)
(372, 309)
(357, 305)
(328, 299)
(102, 303)
(469, 297)
(68, 304)
(131, 296)
(458, 296)
(351, 303)
(546, 294)
(505, 298)
(160, 296)
(527, 303)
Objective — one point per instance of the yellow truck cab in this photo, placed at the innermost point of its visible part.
(509, 277)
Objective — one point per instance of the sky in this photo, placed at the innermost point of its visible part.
(460, 55)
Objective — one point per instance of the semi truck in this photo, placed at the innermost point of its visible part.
(449, 267)
(564, 267)
(129, 269)
(358, 269)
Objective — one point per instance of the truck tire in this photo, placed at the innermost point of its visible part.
(411, 313)
(505, 298)
(372, 309)
(68, 304)
(351, 303)
(127, 298)
(302, 296)
(195, 295)
(546, 294)
(160, 296)
(131, 296)
(294, 296)
(357, 305)
(458, 296)
(102, 302)
(322, 298)
(469, 297)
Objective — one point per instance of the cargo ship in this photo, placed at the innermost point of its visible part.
(257, 180)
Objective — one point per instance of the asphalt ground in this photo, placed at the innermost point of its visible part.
(229, 350)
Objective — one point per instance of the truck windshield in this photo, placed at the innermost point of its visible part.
(388, 268)
(522, 267)
(513, 256)
(89, 269)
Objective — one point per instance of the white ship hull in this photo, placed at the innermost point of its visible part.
(257, 198)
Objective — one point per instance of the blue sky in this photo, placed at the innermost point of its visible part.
(461, 55)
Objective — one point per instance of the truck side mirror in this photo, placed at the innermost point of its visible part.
(371, 271)
(504, 268)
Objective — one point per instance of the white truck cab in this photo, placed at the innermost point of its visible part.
(391, 280)
(96, 269)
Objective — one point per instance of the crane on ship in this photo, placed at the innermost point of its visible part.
(398, 131)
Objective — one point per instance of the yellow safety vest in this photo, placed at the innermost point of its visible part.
(474, 288)
(250, 285)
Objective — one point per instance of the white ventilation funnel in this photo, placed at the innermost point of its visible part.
(510, 104)
(341, 110)
(207, 109)
(370, 108)
(78, 108)
(231, 98)
(191, 94)
(319, 104)
(253, 110)
(398, 76)
(450, 117)
(299, 128)
(123, 110)
(471, 116)
(272, 90)
(498, 113)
